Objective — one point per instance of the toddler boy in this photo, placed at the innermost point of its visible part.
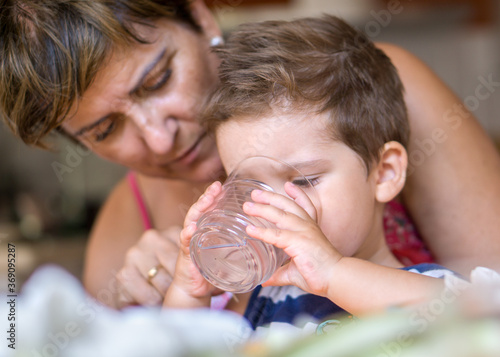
(319, 95)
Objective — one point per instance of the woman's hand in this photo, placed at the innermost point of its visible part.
(154, 250)
(312, 256)
(189, 288)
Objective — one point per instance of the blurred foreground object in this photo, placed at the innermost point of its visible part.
(462, 321)
(54, 317)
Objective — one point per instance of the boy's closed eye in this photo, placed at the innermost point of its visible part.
(304, 183)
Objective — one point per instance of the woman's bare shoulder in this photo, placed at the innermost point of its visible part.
(413, 71)
(398, 54)
(453, 169)
(392, 49)
(117, 227)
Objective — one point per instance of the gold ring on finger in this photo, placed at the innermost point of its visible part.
(153, 272)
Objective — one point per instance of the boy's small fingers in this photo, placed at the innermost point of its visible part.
(204, 202)
(274, 236)
(198, 208)
(214, 188)
(187, 234)
(282, 218)
(301, 198)
(281, 277)
(279, 201)
(207, 199)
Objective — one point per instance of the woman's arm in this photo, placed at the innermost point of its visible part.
(453, 184)
(116, 229)
(119, 254)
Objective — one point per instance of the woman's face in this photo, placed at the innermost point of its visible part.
(141, 110)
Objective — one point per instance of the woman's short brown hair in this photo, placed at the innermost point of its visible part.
(51, 50)
(321, 64)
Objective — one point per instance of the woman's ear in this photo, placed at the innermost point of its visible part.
(204, 17)
(390, 171)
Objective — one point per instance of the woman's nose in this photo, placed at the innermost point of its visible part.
(157, 131)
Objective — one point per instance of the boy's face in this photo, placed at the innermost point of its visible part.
(350, 216)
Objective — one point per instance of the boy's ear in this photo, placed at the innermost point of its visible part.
(390, 171)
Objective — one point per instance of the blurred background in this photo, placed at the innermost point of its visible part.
(49, 199)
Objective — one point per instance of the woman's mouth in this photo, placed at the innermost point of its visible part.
(190, 154)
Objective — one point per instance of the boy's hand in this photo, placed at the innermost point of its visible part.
(189, 288)
(312, 255)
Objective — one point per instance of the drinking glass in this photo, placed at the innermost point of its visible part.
(221, 249)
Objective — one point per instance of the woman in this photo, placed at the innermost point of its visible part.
(128, 79)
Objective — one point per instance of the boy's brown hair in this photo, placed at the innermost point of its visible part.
(51, 50)
(319, 64)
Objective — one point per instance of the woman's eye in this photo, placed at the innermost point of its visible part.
(103, 130)
(310, 181)
(157, 82)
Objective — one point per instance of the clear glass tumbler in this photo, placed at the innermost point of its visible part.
(221, 249)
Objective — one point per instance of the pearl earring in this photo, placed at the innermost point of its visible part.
(216, 41)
